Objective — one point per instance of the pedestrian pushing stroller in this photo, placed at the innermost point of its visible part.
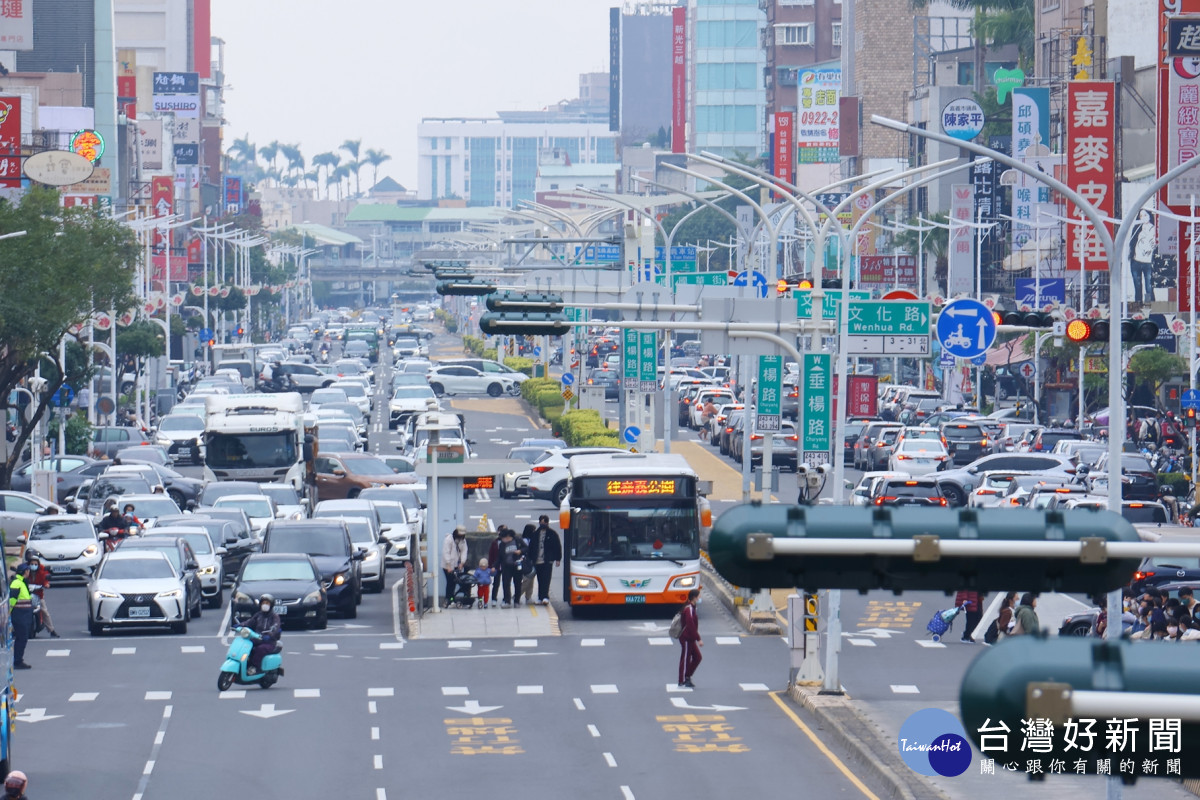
(465, 590)
(943, 621)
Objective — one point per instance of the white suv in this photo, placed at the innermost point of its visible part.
(461, 379)
(548, 475)
(409, 400)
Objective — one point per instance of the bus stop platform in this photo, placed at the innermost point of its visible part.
(523, 622)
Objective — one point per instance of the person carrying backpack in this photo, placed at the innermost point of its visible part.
(689, 639)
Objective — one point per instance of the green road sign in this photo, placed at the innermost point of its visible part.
(630, 360)
(770, 387)
(889, 318)
(818, 417)
(648, 361)
(578, 314)
(829, 304)
(699, 278)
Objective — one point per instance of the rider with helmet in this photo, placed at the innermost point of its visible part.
(113, 519)
(15, 784)
(39, 579)
(268, 625)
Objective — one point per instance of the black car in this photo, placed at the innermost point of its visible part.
(293, 579)
(610, 379)
(908, 492)
(180, 554)
(328, 542)
(966, 441)
(1158, 570)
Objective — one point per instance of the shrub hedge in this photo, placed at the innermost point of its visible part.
(585, 428)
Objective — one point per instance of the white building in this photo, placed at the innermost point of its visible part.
(727, 98)
(494, 161)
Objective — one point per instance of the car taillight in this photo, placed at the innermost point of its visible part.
(793, 438)
(729, 430)
(754, 437)
(985, 491)
(983, 441)
(941, 501)
(1141, 576)
(903, 458)
(540, 470)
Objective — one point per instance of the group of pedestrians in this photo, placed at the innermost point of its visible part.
(1014, 618)
(513, 564)
(1153, 615)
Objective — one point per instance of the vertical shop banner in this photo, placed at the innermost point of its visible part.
(863, 399)
(818, 408)
(1183, 130)
(1030, 119)
(150, 143)
(678, 78)
(817, 117)
(16, 25)
(1091, 166)
(162, 204)
(960, 278)
(10, 142)
(233, 196)
(783, 145)
(1033, 203)
(614, 69)
(1178, 74)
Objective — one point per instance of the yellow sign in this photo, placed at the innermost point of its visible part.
(1082, 58)
(567, 394)
(1095, 364)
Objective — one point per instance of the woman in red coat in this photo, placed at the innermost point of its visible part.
(689, 640)
(974, 604)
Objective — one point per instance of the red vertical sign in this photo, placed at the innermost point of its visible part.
(1091, 165)
(678, 78)
(162, 202)
(202, 37)
(10, 141)
(863, 398)
(783, 145)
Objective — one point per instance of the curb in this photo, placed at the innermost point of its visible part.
(726, 593)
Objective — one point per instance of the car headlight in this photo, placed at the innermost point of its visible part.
(90, 550)
(685, 582)
(339, 579)
(209, 570)
(103, 594)
(164, 441)
(297, 515)
(586, 583)
(312, 597)
(173, 594)
(372, 555)
(241, 597)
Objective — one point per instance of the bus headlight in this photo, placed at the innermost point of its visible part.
(685, 582)
(586, 584)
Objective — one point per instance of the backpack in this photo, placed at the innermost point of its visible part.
(676, 626)
(993, 632)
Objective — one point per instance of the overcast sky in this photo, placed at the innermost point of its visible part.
(318, 72)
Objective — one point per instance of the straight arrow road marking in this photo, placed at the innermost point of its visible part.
(267, 711)
(652, 627)
(874, 633)
(680, 702)
(36, 715)
(473, 707)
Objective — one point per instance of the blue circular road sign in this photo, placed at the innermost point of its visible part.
(752, 278)
(63, 396)
(568, 378)
(537, 351)
(631, 434)
(206, 334)
(979, 361)
(966, 328)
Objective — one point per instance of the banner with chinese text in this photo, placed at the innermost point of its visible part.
(1091, 166)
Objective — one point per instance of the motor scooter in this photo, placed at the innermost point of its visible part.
(236, 668)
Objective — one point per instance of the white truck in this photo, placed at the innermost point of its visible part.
(256, 437)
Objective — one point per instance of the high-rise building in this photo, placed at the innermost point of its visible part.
(64, 33)
(726, 97)
(641, 70)
(799, 33)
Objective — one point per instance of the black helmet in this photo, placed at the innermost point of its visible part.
(266, 598)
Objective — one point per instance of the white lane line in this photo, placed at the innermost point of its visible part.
(627, 793)
(591, 643)
(299, 693)
(158, 737)
(529, 690)
(579, 704)
(236, 694)
(594, 731)
(525, 642)
(191, 648)
(57, 653)
(924, 643)
(158, 695)
(904, 688)
(660, 640)
(674, 687)
(604, 688)
(455, 691)
(83, 697)
(862, 642)
(386, 691)
(728, 640)
(146, 770)
(124, 651)
(374, 734)
(378, 762)
(754, 687)
(380, 794)
(324, 646)
(391, 645)
(372, 707)
(608, 758)
(459, 644)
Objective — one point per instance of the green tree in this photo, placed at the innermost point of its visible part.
(1154, 366)
(269, 153)
(352, 146)
(69, 265)
(375, 158)
(329, 161)
(709, 225)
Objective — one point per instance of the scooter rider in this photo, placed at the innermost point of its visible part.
(267, 624)
(113, 519)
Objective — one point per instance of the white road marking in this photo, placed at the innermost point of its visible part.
(608, 758)
(146, 770)
(158, 695)
(298, 693)
(372, 707)
(522, 516)
(191, 648)
(236, 694)
(673, 687)
(386, 691)
(627, 793)
(604, 688)
(525, 642)
(660, 640)
(374, 734)
(324, 646)
(83, 697)
(124, 651)
(862, 642)
(378, 762)
(380, 794)
(591, 643)
(459, 644)
(455, 691)
(594, 731)
(754, 687)
(391, 645)
(904, 688)
(579, 704)
(529, 690)
(728, 639)
(57, 653)
(926, 643)
(158, 737)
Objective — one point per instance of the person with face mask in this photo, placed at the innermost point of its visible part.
(689, 640)
(267, 624)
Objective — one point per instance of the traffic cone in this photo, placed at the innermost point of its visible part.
(483, 526)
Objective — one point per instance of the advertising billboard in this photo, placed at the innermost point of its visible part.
(817, 116)
(1091, 165)
(678, 78)
(10, 141)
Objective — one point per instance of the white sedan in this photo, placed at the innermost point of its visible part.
(919, 457)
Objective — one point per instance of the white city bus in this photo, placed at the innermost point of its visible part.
(632, 525)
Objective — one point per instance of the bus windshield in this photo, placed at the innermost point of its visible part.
(251, 450)
(615, 530)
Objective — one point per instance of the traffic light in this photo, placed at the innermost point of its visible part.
(1075, 692)
(1189, 417)
(524, 314)
(1133, 331)
(1029, 319)
(782, 287)
(917, 549)
(241, 331)
(466, 288)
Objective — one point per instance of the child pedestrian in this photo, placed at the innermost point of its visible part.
(483, 576)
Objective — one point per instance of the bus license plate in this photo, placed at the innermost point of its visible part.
(635, 598)
(139, 611)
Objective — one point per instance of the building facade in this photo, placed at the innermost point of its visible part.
(726, 97)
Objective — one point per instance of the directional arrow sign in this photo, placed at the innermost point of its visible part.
(966, 328)
(679, 702)
(473, 707)
(267, 711)
(873, 633)
(36, 715)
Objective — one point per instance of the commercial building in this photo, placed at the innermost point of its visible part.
(640, 71)
(726, 97)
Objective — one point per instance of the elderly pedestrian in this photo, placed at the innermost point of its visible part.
(454, 559)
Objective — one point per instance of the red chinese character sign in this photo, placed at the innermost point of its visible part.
(783, 146)
(1091, 165)
(10, 141)
(88, 144)
(678, 78)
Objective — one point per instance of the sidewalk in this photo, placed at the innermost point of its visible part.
(477, 623)
(726, 480)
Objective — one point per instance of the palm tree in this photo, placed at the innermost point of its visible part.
(352, 147)
(293, 156)
(243, 150)
(375, 158)
(340, 173)
(313, 177)
(999, 22)
(269, 153)
(330, 162)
